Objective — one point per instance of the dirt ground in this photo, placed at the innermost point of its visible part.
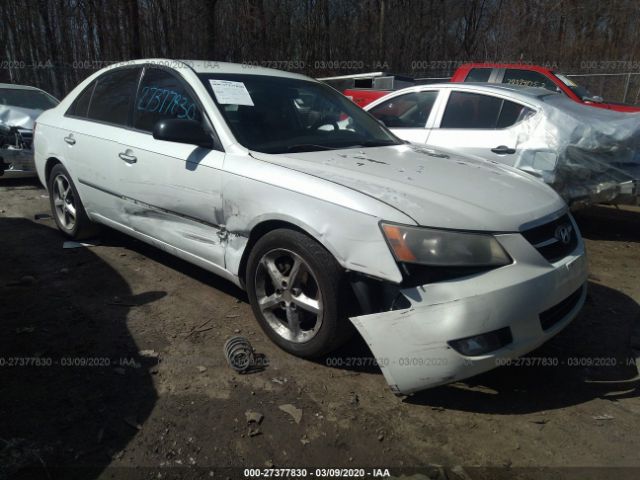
(111, 358)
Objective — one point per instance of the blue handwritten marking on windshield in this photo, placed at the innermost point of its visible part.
(164, 101)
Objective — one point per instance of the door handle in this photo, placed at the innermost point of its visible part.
(69, 139)
(127, 157)
(503, 150)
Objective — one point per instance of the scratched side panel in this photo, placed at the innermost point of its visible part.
(173, 194)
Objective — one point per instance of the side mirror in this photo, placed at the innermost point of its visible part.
(593, 99)
(182, 131)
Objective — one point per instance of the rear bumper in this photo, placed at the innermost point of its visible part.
(531, 297)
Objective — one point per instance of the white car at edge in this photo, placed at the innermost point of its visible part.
(281, 185)
(588, 155)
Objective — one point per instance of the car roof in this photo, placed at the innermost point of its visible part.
(520, 92)
(213, 66)
(531, 92)
(19, 87)
(515, 66)
(530, 95)
(210, 66)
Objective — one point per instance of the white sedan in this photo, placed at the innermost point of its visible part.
(283, 186)
(588, 155)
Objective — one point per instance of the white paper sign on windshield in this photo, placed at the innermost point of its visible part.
(231, 93)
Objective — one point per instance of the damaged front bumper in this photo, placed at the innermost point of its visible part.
(17, 163)
(517, 307)
(16, 153)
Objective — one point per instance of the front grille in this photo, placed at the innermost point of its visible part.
(547, 238)
(553, 315)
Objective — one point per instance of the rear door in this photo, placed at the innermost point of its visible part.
(172, 190)
(93, 130)
(479, 124)
(408, 115)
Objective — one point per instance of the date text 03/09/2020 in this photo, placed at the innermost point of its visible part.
(316, 473)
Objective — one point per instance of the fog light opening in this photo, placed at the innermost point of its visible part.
(481, 344)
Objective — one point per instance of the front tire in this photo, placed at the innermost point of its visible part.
(298, 293)
(66, 206)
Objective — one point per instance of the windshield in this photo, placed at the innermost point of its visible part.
(282, 115)
(32, 99)
(580, 91)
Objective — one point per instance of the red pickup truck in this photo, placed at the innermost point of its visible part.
(533, 76)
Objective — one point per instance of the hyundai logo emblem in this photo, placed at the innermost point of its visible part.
(563, 233)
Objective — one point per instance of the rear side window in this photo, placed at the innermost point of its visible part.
(528, 78)
(163, 96)
(406, 111)
(471, 110)
(512, 113)
(479, 75)
(474, 110)
(113, 96)
(80, 105)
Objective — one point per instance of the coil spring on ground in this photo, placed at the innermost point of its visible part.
(239, 353)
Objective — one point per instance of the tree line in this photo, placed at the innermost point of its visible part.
(54, 44)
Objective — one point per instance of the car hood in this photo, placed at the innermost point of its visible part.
(434, 187)
(18, 117)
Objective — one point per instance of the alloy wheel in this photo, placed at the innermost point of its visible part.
(289, 295)
(64, 202)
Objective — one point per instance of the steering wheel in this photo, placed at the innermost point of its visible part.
(322, 122)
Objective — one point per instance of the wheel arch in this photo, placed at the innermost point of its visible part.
(50, 163)
(48, 166)
(264, 226)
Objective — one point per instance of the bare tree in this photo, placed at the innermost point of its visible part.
(55, 43)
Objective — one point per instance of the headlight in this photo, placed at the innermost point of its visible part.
(429, 246)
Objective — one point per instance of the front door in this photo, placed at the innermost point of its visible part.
(480, 125)
(172, 191)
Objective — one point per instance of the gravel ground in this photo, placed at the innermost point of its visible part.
(138, 377)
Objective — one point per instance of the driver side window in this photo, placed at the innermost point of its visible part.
(411, 110)
(162, 96)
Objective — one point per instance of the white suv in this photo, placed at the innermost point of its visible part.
(286, 188)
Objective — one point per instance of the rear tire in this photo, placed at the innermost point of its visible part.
(298, 293)
(66, 206)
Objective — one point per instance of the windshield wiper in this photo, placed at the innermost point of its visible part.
(308, 147)
(374, 143)
(311, 147)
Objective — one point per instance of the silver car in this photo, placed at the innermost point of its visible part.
(587, 154)
(281, 185)
(20, 105)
